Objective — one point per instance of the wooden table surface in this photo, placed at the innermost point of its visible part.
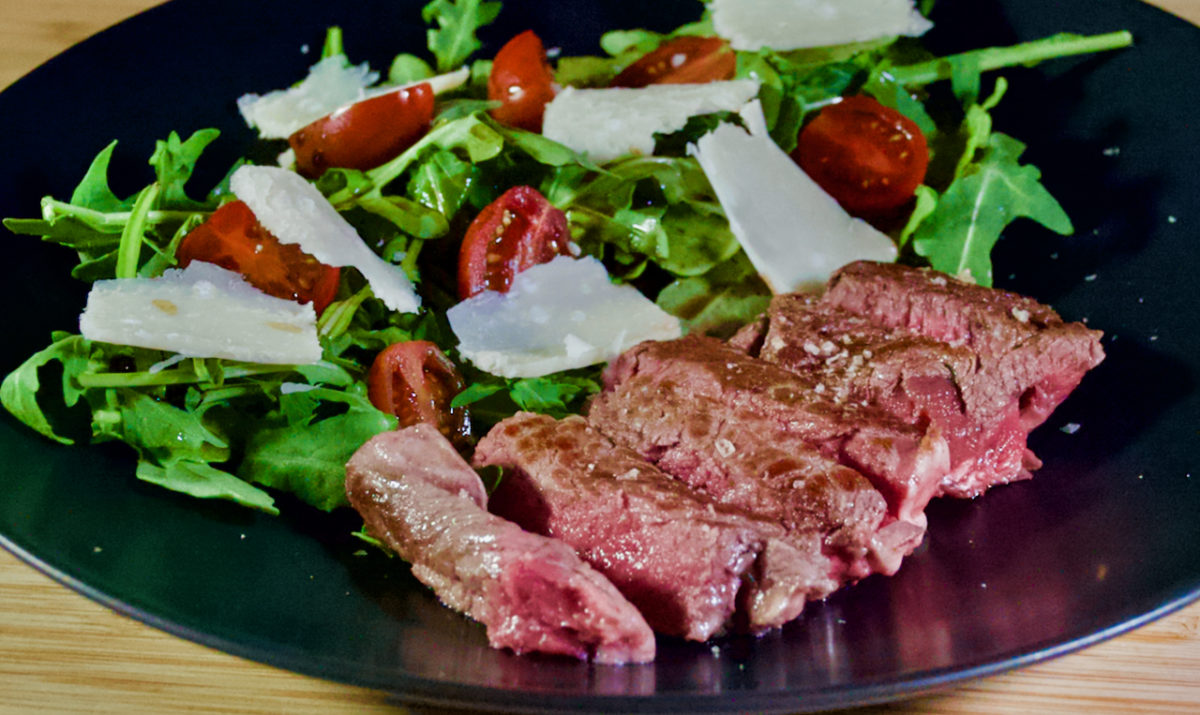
(64, 653)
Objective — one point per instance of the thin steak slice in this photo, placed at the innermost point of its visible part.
(694, 568)
(1029, 358)
(687, 381)
(915, 378)
(794, 486)
(532, 593)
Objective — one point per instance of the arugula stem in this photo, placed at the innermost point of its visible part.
(382, 175)
(229, 393)
(1026, 53)
(182, 376)
(53, 208)
(409, 262)
(336, 318)
(333, 43)
(448, 135)
(626, 172)
(129, 252)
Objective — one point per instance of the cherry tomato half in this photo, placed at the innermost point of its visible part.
(683, 60)
(415, 381)
(365, 134)
(234, 239)
(522, 80)
(518, 230)
(869, 157)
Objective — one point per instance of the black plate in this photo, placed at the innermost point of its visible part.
(1104, 539)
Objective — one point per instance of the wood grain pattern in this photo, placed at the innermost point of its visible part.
(61, 652)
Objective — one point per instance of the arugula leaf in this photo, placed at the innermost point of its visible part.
(719, 301)
(793, 85)
(93, 191)
(965, 77)
(492, 398)
(310, 463)
(660, 209)
(411, 217)
(1024, 54)
(174, 161)
(472, 134)
(159, 431)
(359, 327)
(586, 71)
(164, 256)
(203, 481)
(675, 143)
(631, 44)
(550, 394)
(324, 373)
(109, 233)
(406, 68)
(699, 239)
(477, 391)
(442, 181)
(891, 93)
(20, 389)
(977, 127)
(926, 202)
(306, 455)
(458, 20)
(958, 236)
(457, 108)
(543, 150)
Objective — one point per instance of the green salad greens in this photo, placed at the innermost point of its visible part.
(216, 428)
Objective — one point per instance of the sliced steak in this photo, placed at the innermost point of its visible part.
(1028, 358)
(915, 378)
(532, 593)
(694, 568)
(793, 485)
(658, 390)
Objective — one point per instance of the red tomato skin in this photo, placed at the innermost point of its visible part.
(683, 60)
(518, 230)
(869, 157)
(234, 239)
(521, 79)
(365, 134)
(416, 382)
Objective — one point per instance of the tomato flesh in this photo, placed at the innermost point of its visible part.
(416, 382)
(521, 79)
(518, 230)
(365, 134)
(683, 60)
(234, 239)
(869, 157)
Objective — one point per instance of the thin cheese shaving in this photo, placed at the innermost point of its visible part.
(556, 316)
(296, 212)
(201, 311)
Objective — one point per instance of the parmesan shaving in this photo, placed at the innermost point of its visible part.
(556, 316)
(295, 212)
(796, 24)
(213, 313)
